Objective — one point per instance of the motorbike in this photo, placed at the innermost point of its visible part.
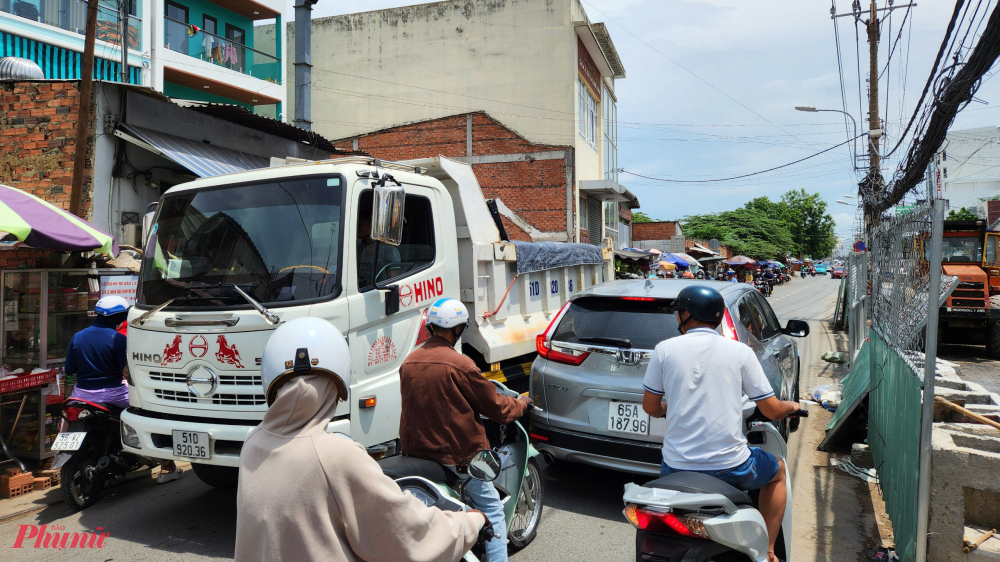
(689, 516)
(763, 286)
(519, 478)
(90, 453)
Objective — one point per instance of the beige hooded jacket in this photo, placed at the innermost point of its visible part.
(306, 494)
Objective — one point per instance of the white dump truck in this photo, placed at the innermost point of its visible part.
(368, 245)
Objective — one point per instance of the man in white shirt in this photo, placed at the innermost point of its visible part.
(697, 381)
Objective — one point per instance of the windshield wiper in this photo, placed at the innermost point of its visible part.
(267, 314)
(145, 315)
(620, 342)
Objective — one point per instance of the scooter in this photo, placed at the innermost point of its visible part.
(689, 516)
(90, 453)
(519, 480)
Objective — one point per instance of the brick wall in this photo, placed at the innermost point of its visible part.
(654, 230)
(37, 147)
(534, 189)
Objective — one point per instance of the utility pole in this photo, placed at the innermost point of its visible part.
(874, 124)
(123, 12)
(83, 116)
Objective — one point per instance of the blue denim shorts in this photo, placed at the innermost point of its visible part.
(756, 472)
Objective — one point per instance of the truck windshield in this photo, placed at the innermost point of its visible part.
(279, 241)
(962, 249)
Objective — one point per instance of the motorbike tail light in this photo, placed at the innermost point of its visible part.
(729, 327)
(74, 414)
(692, 525)
(544, 346)
(422, 333)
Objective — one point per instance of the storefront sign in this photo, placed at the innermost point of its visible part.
(120, 285)
(588, 70)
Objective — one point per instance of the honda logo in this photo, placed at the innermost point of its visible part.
(629, 357)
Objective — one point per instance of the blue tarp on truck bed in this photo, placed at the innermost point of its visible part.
(539, 256)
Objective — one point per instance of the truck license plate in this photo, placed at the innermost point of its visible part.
(191, 444)
(69, 441)
(627, 417)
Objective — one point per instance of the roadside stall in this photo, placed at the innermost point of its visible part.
(631, 263)
(741, 264)
(43, 307)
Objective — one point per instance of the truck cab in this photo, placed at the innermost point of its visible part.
(230, 258)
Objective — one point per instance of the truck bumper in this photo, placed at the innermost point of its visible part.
(156, 437)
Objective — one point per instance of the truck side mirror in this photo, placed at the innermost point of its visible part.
(387, 211)
(392, 299)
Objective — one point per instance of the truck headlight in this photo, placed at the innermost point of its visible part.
(129, 436)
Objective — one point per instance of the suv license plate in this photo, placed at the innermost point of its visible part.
(191, 444)
(627, 417)
(69, 441)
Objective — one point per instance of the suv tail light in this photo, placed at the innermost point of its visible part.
(728, 327)
(544, 347)
(422, 333)
(691, 525)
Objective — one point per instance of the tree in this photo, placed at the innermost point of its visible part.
(639, 217)
(811, 226)
(962, 214)
(748, 231)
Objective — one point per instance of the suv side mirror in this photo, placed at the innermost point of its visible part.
(485, 465)
(797, 328)
(387, 211)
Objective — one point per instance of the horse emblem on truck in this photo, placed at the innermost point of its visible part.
(227, 354)
(172, 352)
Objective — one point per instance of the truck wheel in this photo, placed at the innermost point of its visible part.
(222, 477)
(523, 525)
(993, 339)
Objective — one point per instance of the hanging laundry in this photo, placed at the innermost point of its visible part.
(193, 30)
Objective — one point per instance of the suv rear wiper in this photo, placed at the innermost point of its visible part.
(620, 342)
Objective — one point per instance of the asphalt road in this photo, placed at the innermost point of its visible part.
(582, 520)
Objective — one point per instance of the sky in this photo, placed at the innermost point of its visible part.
(712, 86)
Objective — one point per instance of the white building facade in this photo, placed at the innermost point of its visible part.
(966, 170)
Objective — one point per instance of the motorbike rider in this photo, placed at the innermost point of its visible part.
(443, 395)
(96, 355)
(696, 381)
(305, 494)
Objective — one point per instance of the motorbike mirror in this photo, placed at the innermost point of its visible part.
(485, 465)
(797, 328)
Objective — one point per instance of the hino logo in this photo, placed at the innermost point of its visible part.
(202, 381)
(147, 357)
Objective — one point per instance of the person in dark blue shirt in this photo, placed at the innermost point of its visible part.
(96, 355)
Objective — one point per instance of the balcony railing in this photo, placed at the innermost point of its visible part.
(198, 43)
(71, 15)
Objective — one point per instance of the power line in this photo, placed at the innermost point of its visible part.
(624, 171)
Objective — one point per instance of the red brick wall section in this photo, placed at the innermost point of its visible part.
(653, 230)
(37, 140)
(37, 144)
(536, 190)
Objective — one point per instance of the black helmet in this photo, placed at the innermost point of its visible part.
(702, 303)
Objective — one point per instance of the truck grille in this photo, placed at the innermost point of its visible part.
(238, 399)
(176, 396)
(221, 398)
(234, 380)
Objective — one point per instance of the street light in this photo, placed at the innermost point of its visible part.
(811, 109)
(849, 196)
(842, 202)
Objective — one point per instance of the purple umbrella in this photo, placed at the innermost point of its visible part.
(40, 224)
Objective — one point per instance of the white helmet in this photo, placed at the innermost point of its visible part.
(301, 347)
(447, 313)
(111, 305)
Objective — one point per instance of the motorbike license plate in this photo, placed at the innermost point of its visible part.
(627, 417)
(191, 444)
(69, 441)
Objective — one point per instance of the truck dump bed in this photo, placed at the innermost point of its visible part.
(512, 289)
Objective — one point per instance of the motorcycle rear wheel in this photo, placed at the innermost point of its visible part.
(82, 482)
(528, 511)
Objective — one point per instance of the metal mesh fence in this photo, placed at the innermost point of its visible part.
(899, 294)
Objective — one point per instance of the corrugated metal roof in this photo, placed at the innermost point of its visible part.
(608, 48)
(203, 159)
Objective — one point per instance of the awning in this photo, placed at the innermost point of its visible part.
(205, 160)
(703, 250)
(634, 255)
(607, 190)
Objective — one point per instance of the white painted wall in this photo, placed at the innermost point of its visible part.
(970, 158)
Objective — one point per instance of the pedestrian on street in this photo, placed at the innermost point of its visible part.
(443, 395)
(697, 381)
(306, 494)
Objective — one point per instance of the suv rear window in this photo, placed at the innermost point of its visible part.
(616, 322)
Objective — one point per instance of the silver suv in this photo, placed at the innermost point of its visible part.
(592, 358)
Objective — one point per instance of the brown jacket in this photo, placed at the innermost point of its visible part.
(443, 394)
(306, 494)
